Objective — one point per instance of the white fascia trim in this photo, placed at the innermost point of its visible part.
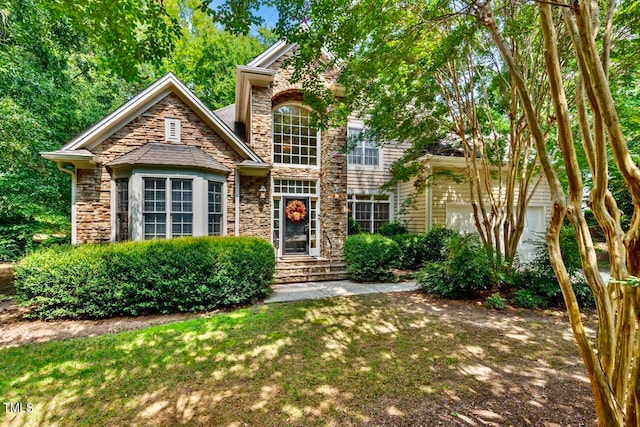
(246, 77)
(272, 54)
(82, 159)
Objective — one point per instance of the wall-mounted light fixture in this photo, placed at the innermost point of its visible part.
(336, 195)
(262, 195)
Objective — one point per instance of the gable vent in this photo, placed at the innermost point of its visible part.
(172, 130)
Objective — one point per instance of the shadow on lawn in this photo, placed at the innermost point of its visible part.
(399, 359)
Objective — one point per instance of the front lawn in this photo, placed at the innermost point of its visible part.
(396, 359)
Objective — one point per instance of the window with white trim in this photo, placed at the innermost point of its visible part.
(214, 208)
(364, 152)
(160, 210)
(181, 207)
(294, 141)
(370, 211)
(172, 130)
(122, 209)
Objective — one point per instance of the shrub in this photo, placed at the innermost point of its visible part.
(495, 301)
(133, 278)
(393, 228)
(524, 298)
(539, 281)
(353, 227)
(411, 250)
(435, 242)
(370, 257)
(466, 269)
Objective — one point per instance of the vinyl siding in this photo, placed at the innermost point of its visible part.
(414, 215)
(366, 180)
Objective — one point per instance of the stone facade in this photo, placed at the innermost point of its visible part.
(93, 194)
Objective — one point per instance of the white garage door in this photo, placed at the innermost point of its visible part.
(460, 217)
(534, 229)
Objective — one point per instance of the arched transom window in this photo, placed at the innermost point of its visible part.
(294, 142)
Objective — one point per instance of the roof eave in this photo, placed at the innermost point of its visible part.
(247, 77)
(80, 160)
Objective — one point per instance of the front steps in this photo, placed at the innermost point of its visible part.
(295, 269)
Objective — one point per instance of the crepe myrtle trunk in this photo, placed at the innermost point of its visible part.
(613, 365)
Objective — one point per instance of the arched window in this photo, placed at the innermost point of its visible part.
(294, 142)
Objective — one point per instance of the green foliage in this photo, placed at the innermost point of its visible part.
(204, 56)
(538, 282)
(411, 249)
(353, 227)
(436, 242)
(370, 257)
(466, 269)
(417, 249)
(525, 298)
(133, 278)
(495, 301)
(393, 228)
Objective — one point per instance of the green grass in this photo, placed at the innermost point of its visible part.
(381, 359)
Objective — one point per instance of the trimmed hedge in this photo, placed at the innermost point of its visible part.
(133, 278)
(370, 257)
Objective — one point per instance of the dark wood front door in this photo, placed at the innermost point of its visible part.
(296, 226)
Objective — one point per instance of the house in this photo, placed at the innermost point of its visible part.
(164, 165)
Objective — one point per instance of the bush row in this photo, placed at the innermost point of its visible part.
(371, 257)
(466, 268)
(133, 278)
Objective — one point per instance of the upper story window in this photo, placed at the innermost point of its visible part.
(363, 153)
(294, 142)
(172, 130)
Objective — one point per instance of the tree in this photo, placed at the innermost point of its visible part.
(584, 113)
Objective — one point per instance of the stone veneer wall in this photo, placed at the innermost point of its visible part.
(333, 167)
(93, 196)
(254, 221)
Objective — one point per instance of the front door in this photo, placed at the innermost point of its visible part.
(296, 226)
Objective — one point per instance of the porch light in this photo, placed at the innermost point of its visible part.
(262, 195)
(336, 195)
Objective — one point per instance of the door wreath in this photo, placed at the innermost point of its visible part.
(296, 211)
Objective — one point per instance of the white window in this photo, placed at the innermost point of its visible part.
(370, 212)
(152, 204)
(159, 210)
(172, 130)
(122, 209)
(215, 208)
(294, 142)
(363, 153)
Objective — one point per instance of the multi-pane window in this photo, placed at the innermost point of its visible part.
(363, 153)
(122, 209)
(176, 209)
(370, 212)
(181, 207)
(155, 208)
(215, 208)
(294, 142)
(293, 186)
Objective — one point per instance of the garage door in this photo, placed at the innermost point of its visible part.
(534, 229)
(460, 217)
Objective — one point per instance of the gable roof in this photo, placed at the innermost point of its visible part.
(131, 109)
(159, 154)
(271, 55)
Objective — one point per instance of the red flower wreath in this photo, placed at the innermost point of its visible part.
(295, 210)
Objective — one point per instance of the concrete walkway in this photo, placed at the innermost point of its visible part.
(338, 288)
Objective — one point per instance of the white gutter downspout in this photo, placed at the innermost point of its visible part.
(236, 225)
(74, 237)
(429, 201)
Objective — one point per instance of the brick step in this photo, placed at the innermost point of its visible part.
(312, 277)
(307, 260)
